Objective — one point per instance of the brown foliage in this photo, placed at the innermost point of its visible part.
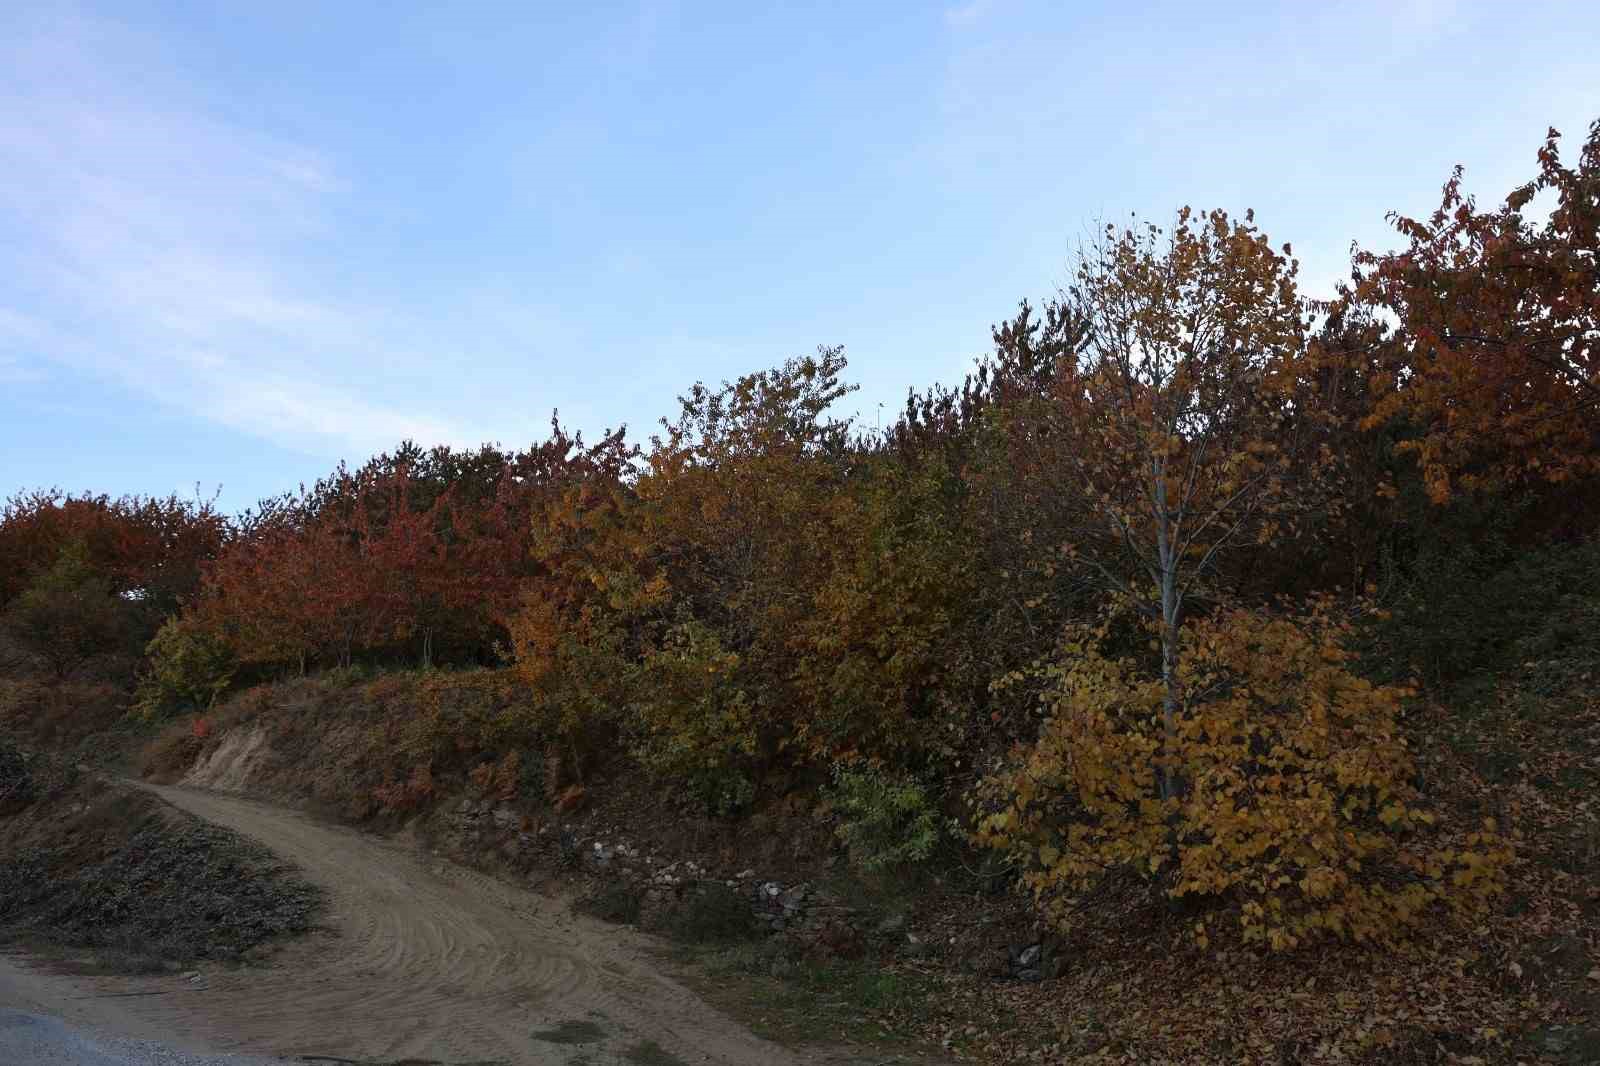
(1497, 365)
(68, 615)
(151, 549)
(58, 714)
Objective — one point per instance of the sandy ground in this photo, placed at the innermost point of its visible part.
(422, 960)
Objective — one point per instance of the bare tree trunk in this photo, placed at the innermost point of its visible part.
(1171, 619)
(1171, 782)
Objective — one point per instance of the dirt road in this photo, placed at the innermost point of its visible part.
(423, 960)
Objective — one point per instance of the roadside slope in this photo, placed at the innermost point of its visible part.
(426, 960)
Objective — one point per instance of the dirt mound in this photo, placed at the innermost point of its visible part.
(230, 765)
(429, 961)
(100, 865)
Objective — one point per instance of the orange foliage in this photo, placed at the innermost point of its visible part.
(1496, 369)
(151, 549)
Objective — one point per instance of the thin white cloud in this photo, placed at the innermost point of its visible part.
(176, 252)
(967, 13)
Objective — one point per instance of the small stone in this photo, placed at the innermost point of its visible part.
(744, 875)
(1029, 957)
(892, 924)
(1031, 976)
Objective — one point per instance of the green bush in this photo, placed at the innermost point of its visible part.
(884, 820)
(187, 667)
(692, 720)
(712, 913)
(1469, 607)
(69, 615)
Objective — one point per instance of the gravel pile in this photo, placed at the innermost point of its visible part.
(103, 866)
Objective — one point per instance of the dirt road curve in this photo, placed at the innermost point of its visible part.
(425, 960)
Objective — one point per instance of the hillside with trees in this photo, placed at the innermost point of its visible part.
(1245, 642)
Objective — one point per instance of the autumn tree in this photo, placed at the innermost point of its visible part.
(1246, 760)
(68, 615)
(150, 549)
(735, 499)
(577, 627)
(1498, 313)
(877, 665)
(1172, 417)
(415, 552)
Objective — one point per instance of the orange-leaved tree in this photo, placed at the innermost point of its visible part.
(149, 549)
(577, 628)
(734, 503)
(1498, 315)
(1241, 757)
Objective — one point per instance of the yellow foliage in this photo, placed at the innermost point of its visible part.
(1293, 802)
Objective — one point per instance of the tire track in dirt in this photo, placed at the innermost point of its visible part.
(424, 959)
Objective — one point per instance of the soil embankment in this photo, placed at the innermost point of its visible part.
(105, 876)
(426, 960)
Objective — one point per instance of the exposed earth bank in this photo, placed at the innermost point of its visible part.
(421, 959)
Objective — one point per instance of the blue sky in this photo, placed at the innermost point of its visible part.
(241, 241)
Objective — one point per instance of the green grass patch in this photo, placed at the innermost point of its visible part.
(617, 904)
(711, 914)
(800, 1001)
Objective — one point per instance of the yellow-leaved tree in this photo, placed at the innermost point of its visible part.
(1297, 803)
(1177, 422)
(1240, 756)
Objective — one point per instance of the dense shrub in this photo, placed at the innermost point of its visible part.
(618, 904)
(693, 719)
(186, 667)
(149, 550)
(1295, 801)
(1463, 592)
(710, 913)
(69, 615)
(885, 821)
